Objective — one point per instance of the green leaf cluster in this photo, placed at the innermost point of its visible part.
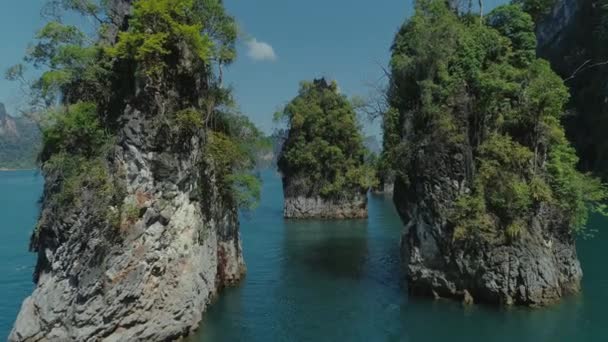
(159, 28)
(87, 80)
(387, 164)
(74, 129)
(75, 149)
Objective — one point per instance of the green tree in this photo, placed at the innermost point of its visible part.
(324, 152)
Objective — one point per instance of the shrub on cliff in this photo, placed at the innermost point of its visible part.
(324, 153)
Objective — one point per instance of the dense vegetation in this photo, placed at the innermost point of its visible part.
(461, 86)
(324, 152)
(85, 80)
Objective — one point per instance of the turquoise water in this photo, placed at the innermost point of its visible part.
(328, 281)
(19, 195)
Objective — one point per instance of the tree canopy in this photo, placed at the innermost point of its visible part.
(324, 152)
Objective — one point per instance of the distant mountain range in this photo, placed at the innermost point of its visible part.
(19, 141)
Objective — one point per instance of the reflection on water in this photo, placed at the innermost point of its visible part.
(312, 280)
(337, 249)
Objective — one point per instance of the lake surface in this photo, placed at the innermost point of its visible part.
(19, 196)
(328, 281)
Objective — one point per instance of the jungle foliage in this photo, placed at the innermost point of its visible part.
(324, 151)
(458, 85)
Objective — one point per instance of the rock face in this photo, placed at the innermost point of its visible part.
(316, 207)
(552, 29)
(150, 281)
(535, 270)
(150, 277)
(449, 178)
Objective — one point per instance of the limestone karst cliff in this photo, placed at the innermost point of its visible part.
(486, 180)
(322, 160)
(139, 227)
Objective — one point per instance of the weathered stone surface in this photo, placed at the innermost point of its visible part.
(152, 280)
(535, 270)
(150, 277)
(305, 207)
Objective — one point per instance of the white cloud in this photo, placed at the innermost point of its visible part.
(260, 51)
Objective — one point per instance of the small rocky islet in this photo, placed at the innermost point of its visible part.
(146, 167)
(322, 161)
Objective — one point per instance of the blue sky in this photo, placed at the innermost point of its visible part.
(282, 43)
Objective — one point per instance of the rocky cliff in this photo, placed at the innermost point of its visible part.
(149, 279)
(536, 270)
(553, 28)
(301, 207)
(144, 242)
(485, 219)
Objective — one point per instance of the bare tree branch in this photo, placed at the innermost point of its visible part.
(584, 67)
